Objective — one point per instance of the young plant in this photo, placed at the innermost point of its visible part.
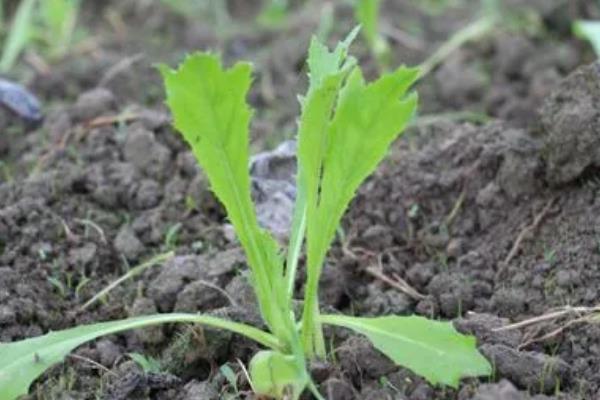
(345, 130)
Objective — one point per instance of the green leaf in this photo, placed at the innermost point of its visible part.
(432, 349)
(367, 120)
(209, 107)
(327, 70)
(368, 117)
(590, 31)
(19, 34)
(22, 362)
(323, 63)
(230, 376)
(277, 375)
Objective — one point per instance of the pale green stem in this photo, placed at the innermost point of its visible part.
(470, 32)
(315, 392)
(264, 338)
(258, 265)
(161, 258)
(259, 336)
(296, 239)
(312, 332)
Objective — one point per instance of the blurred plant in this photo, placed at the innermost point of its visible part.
(19, 34)
(213, 12)
(479, 28)
(435, 7)
(57, 25)
(147, 364)
(274, 14)
(186, 8)
(366, 13)
(48, 26)
(590, 31)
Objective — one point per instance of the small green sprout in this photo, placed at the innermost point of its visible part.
(346, 128)
(231, 378)
(146, 363)
(172, 235)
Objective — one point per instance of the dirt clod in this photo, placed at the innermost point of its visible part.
(570, 122)
(503, 390)
(532, 371)
(94, 103)
(361, 360)
(128, 244)
(199, 390)
(337, 389)
(146, 153)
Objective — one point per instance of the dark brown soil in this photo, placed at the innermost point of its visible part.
(487, 223)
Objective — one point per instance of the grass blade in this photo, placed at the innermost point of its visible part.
(161, 258)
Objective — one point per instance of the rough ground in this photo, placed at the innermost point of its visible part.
(485, 224)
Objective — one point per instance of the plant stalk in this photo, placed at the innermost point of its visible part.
(312, 331)
(296, 238)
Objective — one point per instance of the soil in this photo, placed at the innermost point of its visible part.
(486, 223)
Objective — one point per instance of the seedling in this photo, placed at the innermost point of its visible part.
(231, 377)
(345, 130)
(172, 236)
(146, 363)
